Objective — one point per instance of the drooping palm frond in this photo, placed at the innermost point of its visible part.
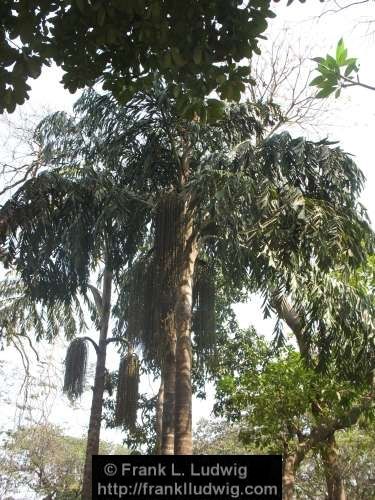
(75, 368)
(339, 321)
(127, 391)
(284, 203)
(21, 315)
(60, 224)
(264, 209)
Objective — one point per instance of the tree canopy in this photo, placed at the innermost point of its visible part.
(298, 200)
(122, 44)
(255, 384)
(44, 460)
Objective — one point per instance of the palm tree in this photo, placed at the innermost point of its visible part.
(294, 194)
(93, 437)
(69, 227)
(256, 209)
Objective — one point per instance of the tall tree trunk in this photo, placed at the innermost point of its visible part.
(292, 459)
(183, 444)
(288, 478)
(169, 377)
(93, 435)
(159, 418)
(332, 470)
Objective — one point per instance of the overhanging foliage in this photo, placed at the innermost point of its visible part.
(122, 44)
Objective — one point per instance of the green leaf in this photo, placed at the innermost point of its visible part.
(34, 68)
(341, 53)
(324, 69)
(351, 60)
(11, 106)
(352, 66)
(155, 10)
(243, 71)
(215, 110)
(325, 92)
(26, 32)
(332, 63)
(167, 61)
(319, 60)
(317, 81)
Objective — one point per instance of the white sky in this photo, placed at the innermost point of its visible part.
(351, 120)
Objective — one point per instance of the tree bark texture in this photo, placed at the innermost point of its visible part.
(159, 418)
(169, 376)
(332, 470)
(288, 479)
(183, 444)
(93, 435)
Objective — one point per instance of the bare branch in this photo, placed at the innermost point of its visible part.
(340, 8)
(282, 75)
(21, 148)
(358, 83)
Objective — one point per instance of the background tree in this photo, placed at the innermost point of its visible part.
(43, 459)
(77, 252)
(282, 74)
(261, 385)
(356, 460)
(356, 457)
(220, 438)
(19, 158)
(350, 297)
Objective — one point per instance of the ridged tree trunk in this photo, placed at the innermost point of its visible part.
(169, 377)
(93, 435)
(332, 470)
(159, 418)
(183, 444)
(292, 459)
(288, 478)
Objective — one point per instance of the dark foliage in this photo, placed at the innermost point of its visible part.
(75, 368)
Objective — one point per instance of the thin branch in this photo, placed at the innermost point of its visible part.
(341, 8)
(23, 355)
(351, 83)
(287, 313)
(32, 348)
